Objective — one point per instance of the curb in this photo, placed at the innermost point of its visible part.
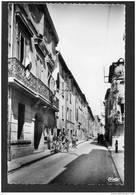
(115, 166)
(29, 162)
(34, 160)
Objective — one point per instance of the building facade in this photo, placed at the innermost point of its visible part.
(65, 118)
(32, 104)
(91, 129)
(97, 126)
(44, 98)
(74, 116)
(115, 104)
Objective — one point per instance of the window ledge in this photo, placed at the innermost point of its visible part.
(20, 142)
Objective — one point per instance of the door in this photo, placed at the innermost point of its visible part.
(21, 119)
(38, 129)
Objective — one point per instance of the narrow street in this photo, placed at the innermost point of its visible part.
(90, 164)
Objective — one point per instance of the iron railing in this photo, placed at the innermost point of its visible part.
(17, 70)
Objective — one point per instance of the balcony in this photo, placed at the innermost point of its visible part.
(32, 84)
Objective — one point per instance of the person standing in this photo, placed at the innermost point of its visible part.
(67, 143)
(74, 145)
(48, 141)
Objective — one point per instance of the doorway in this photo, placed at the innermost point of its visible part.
(21, 119)
(38, 129)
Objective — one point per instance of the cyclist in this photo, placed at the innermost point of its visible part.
(67, 143)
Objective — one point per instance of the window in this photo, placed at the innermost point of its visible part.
(49, 78)
(49, 75)
(77, 114)
(62, 112)
(70, 97)
(51, 131)
(21, 119)
(122, 108)
(63, 74)
(70, 115)
(21, 54)
(67, 95)
(67, 113)
(24, 44)
(57, 81)
(40, 65)
(62, 89)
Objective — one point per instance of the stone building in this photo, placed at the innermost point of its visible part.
(91, 129)
(32, 105)
(97, 125)
(73, 113)
(81, 117)
(115, 104)
(65, 116)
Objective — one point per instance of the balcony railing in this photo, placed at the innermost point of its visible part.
(17, 70)
(43, 89)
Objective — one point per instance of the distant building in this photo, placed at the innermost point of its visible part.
(91, 129)
(32, 41)
(97, 125)
(115, 104)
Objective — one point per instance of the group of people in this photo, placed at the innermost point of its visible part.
(74, 140)
(61, 142)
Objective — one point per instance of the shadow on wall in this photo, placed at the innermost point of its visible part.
(21, 117)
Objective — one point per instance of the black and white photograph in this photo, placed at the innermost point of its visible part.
(66, 94)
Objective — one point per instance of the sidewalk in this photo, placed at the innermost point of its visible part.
(26, 160)
(118, 159)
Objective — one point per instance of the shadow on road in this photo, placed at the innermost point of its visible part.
(70, 152)
(99, 144)
(93, 168)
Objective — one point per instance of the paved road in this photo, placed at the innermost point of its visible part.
(88, 164)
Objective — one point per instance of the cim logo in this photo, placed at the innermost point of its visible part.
(113, 179)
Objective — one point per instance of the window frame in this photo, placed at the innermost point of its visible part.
(42, 63)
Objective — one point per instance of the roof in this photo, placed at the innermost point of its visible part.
(89, 109)
(46, 11)
(111, 71)
(70, 74)
(112, 68)
(43, 7)
(75, 82)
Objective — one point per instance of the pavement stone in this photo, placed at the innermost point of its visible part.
(118, 159)
(25, 160)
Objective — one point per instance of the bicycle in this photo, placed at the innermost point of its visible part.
(65, 145)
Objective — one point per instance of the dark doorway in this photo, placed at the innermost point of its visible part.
(58, 132)
(38, 129)
(21, 119)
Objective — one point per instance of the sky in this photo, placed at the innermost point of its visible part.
(90, 39)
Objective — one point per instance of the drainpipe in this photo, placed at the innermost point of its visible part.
(65, 109)
(10, 92)
(10, 120)
(12, 33)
